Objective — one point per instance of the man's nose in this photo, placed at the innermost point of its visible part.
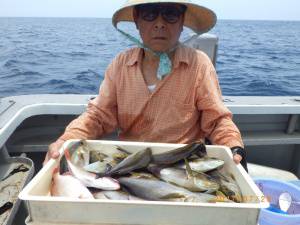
(160, 23)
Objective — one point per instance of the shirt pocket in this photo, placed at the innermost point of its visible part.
(181, 112)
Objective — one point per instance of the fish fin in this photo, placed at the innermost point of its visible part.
(86, 146)
(67, 154)
(122, 149)
(231, 176)
(205, 176)
(201, 173)
(221, 197)
(173, 196)
(108, 168)
(189, 171)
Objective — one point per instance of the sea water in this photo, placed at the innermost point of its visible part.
(70, 55)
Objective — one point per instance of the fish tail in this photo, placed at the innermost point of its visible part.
(201, 150)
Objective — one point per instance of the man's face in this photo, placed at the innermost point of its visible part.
(160, 25)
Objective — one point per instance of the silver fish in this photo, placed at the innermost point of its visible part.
(203, 165)
(157, 190)
(77, 158)
(195, 182)
(68, 186)
(80, 155)
(134, 161)
(89, 179)
(100, 195)
(119, 195)
(97, 167)
(178, 154)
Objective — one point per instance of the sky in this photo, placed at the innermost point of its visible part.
(225, 9)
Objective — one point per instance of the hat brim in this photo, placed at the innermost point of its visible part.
(198, 18)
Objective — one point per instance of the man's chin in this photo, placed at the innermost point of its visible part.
(160, 48)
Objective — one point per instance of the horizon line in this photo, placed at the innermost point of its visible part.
(78, 17)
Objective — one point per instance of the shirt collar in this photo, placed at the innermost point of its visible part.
(135, 56)
(181, 55)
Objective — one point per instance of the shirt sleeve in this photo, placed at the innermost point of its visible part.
(216, 119)
(100, 116)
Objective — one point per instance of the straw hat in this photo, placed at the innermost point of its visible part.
(197, 18)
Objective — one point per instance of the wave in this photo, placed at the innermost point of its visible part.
(55, 56)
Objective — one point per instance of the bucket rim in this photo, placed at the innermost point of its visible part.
(274, 214)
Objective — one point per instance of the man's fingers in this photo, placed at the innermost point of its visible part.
(53, 151)
(54, 154)
(237, 158)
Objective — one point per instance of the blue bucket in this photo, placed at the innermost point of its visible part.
(273, 215)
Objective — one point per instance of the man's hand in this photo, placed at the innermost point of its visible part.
(239, 156)
(53, 151)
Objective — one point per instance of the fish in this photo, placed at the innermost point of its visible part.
(137, 160)
(104, 161)
(222, 197)
(107, 153)
(90, 179)
(72, 148)
(116, 195)
(178, 154)
(100, 195)
(80, 155)
(68, 186)
(193, 182)
(228, 185)
(96, 156)
(156, 190)
(120, 156)
(101, 163)
(203, 165)
(98, 167)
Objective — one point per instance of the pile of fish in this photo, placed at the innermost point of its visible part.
(184, 174)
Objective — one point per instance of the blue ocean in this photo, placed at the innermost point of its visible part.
(70, 55)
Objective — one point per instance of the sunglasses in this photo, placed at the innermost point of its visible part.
(170, 13)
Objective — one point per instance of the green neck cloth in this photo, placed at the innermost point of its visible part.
(165, 64)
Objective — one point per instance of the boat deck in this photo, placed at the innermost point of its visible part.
(268, 124)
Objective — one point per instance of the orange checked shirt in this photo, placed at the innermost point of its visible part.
(185, 106)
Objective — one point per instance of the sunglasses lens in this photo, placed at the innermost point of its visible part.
(170, 14)
(149, 13)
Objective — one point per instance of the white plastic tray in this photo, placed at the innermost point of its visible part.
(53, 210)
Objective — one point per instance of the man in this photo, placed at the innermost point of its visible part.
(161, 91)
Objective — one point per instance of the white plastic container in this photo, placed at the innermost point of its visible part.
(44, 209)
